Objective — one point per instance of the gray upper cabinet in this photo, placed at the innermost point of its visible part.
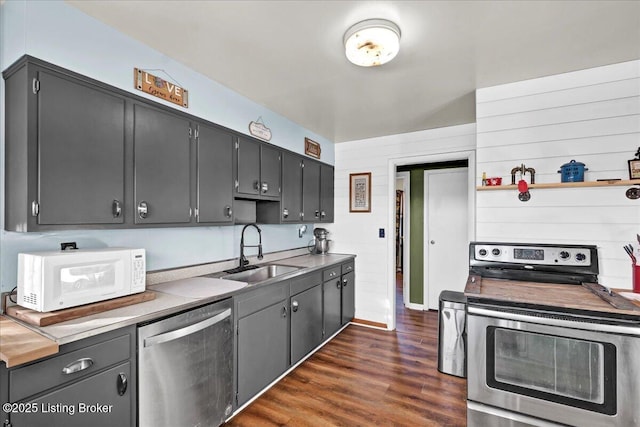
(65, 152)
(311, 191)
(162, 159)
(291, 203)
(215, 175)
(258, 168)
(326, 192)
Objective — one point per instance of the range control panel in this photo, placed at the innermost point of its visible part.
(530, 255)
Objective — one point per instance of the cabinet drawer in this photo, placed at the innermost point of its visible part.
(260, 298)
(347, 267)
(305, 282)
(49, 373)
(331, 273)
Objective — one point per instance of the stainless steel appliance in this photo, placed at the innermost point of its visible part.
(542, 364)
(320, 245)
(452, 334)
(185, 368)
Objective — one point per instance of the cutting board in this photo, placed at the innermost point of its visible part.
(19, 345)
(37, 318)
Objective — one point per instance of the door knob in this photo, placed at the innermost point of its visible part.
(433, 242)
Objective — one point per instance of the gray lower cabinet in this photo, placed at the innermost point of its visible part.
(91, 382)
(214, 175)
(331, 298)
(338, 297)
(306, 315)
(65, 151)
(262, 339)
(162, 174)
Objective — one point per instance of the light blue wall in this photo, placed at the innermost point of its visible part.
(61, 34)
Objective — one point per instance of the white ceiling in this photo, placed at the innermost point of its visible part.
(289, 57)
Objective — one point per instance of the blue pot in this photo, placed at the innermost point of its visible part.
(572, 171)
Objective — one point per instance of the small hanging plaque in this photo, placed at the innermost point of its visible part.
(312, 148)
(260, 130)
(160, 88)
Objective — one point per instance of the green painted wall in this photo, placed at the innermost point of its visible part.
(416, 241)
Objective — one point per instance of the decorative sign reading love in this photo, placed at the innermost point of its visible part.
(160, 88)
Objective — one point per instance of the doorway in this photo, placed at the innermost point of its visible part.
(468, 183)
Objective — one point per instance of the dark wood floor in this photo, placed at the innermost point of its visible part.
(366, 377)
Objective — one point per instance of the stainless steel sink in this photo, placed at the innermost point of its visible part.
(261, 274)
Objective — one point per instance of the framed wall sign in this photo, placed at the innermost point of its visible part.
(634, 169)
(312, 148)
(360, 192)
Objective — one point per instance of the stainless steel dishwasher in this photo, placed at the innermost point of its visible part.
(185, 368)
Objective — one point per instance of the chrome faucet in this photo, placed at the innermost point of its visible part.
(243, 260)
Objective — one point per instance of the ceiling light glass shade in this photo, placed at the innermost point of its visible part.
(372, 42)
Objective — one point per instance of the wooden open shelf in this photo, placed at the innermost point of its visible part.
(609, 183)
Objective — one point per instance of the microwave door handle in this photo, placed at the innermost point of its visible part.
(183, 332)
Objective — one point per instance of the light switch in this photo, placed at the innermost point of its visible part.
(381, 233)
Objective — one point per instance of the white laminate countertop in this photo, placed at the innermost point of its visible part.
(170, 300)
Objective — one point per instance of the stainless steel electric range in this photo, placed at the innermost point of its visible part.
(548, 345)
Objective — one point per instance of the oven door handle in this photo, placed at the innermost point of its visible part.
(553, 321)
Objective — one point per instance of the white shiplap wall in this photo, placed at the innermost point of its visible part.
(592, 116)
(357, 233)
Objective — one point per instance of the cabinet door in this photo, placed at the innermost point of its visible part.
(101, 400)
(291, 202)
(215, 175)
(270, 168)
(248, 166)
(162, 172)
(306, 322)
(348, 297)
(331, 294)
(263, 353)
(81, 153)
(326, 193)
(311, 191)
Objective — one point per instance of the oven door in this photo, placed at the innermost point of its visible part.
(554, 367)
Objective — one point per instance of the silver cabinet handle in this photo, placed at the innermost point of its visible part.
(332, 274)
(284, 311)
(344, 283)
(317, 214)
(285, 213)
(122, 384)
(229, 211)
(78, 365)
(264, 187)
(35, 208)
(339, 284)
(256, 185)
(143, 209)
(349, 268)
(116, 208)
(323, 214)
(183, 332)
(294, 306)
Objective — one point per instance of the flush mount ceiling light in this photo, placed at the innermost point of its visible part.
(372, 42)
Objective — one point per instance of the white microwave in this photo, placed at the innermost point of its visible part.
(49, 281)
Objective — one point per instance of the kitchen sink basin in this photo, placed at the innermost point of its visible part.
(261, 273)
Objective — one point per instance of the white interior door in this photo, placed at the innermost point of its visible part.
(446, 235)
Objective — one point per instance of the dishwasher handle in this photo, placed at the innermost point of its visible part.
(183, 332)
